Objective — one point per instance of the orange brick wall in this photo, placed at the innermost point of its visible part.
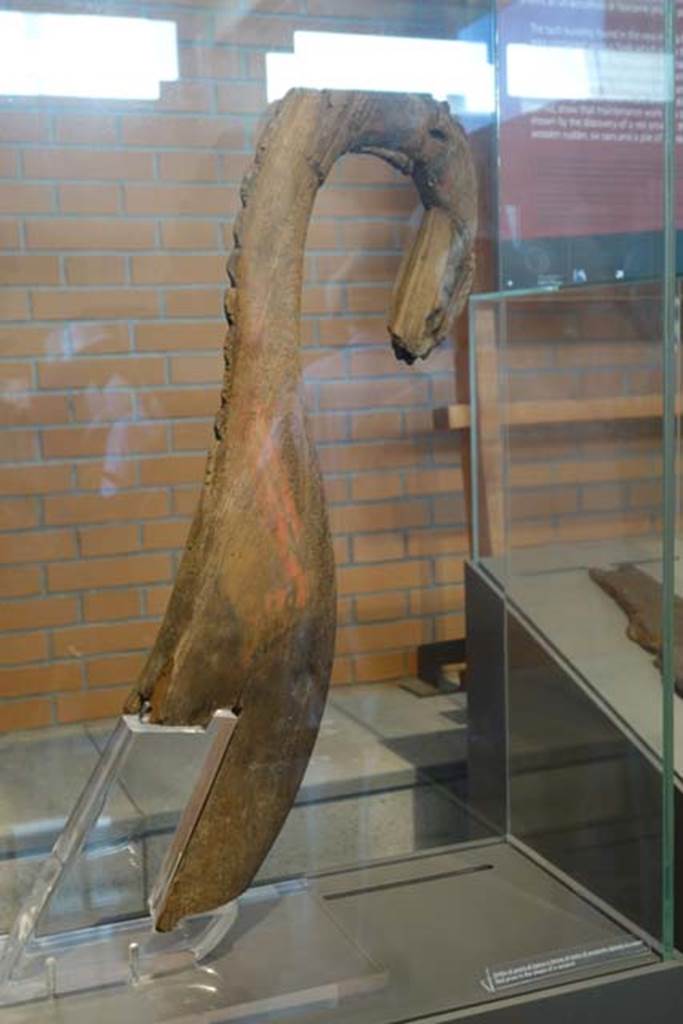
(115, 218)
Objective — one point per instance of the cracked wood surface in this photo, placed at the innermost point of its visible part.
(639, 595)
(250, 623)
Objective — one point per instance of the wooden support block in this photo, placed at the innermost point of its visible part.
(570, 410)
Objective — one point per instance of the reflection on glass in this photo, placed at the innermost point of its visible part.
(575, 73)
(86, 56)
(446, 69)
(577, 389)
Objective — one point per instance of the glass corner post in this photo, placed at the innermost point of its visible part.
(670, 379)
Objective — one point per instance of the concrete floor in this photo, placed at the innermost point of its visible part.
(385, 779)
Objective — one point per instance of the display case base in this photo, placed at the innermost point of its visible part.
(284, 952)
(653, 995)
(444, 934)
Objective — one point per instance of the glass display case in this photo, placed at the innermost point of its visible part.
(574, 761)
(478, 820)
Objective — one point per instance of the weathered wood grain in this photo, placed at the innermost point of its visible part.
(639, 595)
(251, 620)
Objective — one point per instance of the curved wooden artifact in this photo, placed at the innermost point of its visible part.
(251, 621)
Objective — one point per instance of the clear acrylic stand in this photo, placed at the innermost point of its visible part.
(31, 966)
(286, 951)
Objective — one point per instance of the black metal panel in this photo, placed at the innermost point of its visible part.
(582, 793)
(487, 729)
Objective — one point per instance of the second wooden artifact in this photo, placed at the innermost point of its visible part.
(251, 620)
(640, 597)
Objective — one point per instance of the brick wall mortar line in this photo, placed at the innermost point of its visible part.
(79, 624)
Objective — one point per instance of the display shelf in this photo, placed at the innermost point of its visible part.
(551, 588)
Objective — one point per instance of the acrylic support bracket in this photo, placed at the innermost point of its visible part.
(33, 967)
(222, 723)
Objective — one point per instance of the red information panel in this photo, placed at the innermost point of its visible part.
(583, 84)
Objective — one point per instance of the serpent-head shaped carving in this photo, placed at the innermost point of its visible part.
(251, 620)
